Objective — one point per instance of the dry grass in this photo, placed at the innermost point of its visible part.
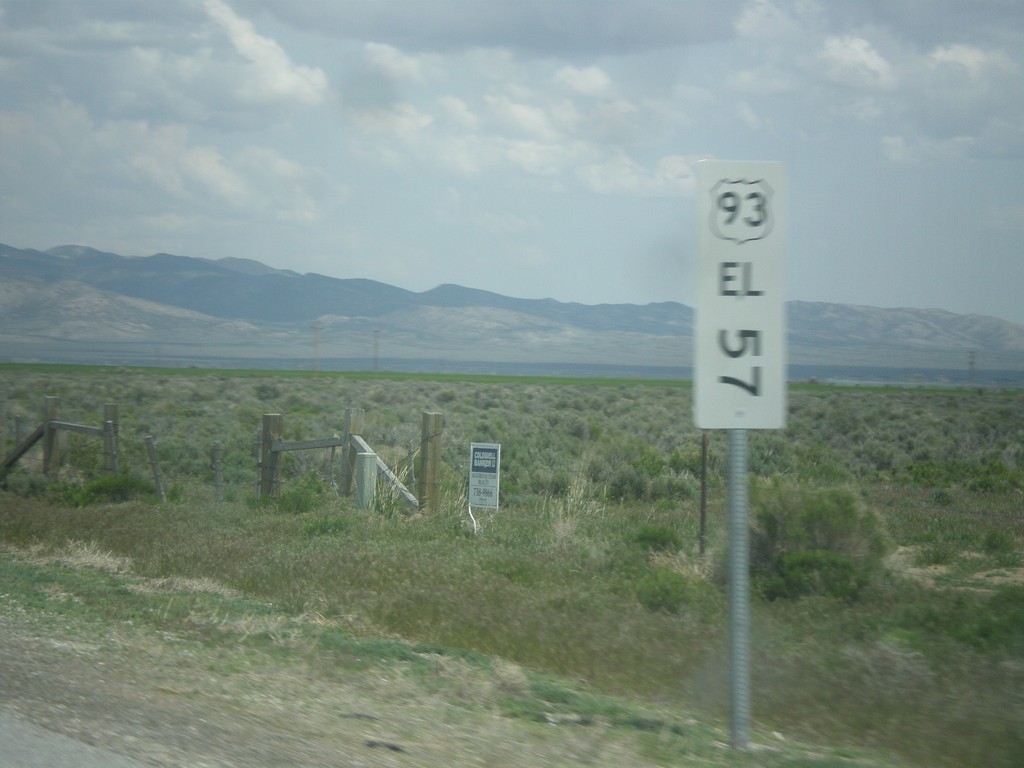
(268, 693)
(549, 584)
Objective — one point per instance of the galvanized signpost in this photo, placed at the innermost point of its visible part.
(740, 357)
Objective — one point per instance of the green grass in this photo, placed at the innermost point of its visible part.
(84, 597)
(589, 571)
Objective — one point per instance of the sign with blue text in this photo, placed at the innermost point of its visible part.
(484, 472)
(740, 328)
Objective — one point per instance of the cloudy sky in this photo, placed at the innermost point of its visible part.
(536, 148)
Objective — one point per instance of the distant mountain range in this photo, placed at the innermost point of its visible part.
(78, 304)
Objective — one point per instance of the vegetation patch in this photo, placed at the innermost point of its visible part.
(814, 541)
(107, 489)
(589, 571)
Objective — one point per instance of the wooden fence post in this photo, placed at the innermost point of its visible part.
(353, 426)
(110, 432)
(51, 406)
(270, 477)
(429, 482)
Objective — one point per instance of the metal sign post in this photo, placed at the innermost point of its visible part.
(740, 363)
(739, 591)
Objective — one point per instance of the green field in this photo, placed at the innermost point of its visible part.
(887, 545)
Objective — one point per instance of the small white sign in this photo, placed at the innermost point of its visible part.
(740, 329)
(484, 473)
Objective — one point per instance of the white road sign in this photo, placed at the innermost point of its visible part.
(484, 474)
(740, 330)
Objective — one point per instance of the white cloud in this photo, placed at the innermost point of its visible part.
(749, 116)
(467, 155)
(287, 187)
(565, 115)
(270, 74)
(390, 61)
(924, 149)
(459, 112)
(240, 122)
(400, 120)
(959, 91)
(618, 120)
(764, 80)
(522, 118)
(534, 157)
(133, 170)
(852, 61)
(972, 59)
(620, 174)
(765, 20)
(164, 157)
(674, 174)
(590, 81)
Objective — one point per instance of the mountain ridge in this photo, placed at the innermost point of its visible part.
(61, 299)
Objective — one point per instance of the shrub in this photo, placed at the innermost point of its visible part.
(661, 589)
(1001, 547)
(813, 540)
(1002, 624)
(26, 485)
(997, 542)
(658, 538)
(326, 526)
(826, 574)
(993, 475)
(990, 623)
(986, 476)
(669, 488)
(302, 495)
(628, 483)
(109, 488)
(267, 390)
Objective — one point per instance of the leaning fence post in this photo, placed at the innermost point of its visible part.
(218, 477)
(270, 478)
(428, 485)
(353, 426)
(151, 452)
(51, 405)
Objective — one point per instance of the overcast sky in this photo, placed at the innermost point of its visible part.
(535, 148)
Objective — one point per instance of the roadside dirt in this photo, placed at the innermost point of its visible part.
(163, 707)
(939, 576)
(170, 701)
(167, 699)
